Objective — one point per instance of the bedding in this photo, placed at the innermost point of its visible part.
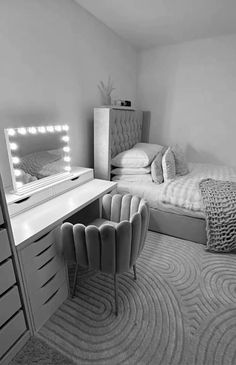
(147, 178)
(219, 199)
(131, 170)
(181, 165)
(168, 165)
(156, 167)
(182, 192)
(141, 155)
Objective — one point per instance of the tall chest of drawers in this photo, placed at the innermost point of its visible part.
(14, 330)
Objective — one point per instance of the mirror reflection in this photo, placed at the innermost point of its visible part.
(37, 152)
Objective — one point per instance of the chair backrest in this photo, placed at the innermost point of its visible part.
(109, 248)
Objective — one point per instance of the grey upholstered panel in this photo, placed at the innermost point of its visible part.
(126, 130)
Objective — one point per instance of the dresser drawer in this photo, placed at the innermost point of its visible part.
(45, 311)
(5, 251)
(1, 216)
(36, 248)
(37, 262)
(40, 277)
(10, 333)
(7, 276)
(43, 294)
(9, 304)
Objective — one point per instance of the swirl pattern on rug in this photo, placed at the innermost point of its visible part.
(181, 310)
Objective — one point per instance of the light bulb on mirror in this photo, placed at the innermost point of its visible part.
(13, 146)
(11, 132)
(15, 160)
(66, 138)
(32, 130)
(22, 130)
(17, 172)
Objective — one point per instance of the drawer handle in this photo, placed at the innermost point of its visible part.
(50, 298)
(74, 178)
(22, 200)
(48, 281)
(41, 237)
(47, 248)
(46, 263)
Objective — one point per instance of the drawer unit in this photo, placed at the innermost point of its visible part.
(45, 275)
(14, 330)
(45, 311)
(11, 332)
(7, 276)
(10, 303)
(5, 251)
(39, 252)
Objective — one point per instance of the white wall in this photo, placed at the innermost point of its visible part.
(53, 55)
(190, 90)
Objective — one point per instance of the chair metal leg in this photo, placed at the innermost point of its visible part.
(75, 280)
(134, 268)
(116, 293)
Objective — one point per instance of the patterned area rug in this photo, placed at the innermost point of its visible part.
(38, 352)
(181, 310)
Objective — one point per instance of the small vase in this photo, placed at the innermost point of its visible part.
(107, 100)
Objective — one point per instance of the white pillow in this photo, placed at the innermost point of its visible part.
(134, 178)
(168, 165)
(181, 165)
(131, 170)
(141, 155)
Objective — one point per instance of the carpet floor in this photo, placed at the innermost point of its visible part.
(181, 310)
(38, 352)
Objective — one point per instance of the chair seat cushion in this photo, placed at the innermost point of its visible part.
(98, 222)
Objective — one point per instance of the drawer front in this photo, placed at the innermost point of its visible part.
(7, 276)
(43, 294)
(40, 277)
(32, 201)
(37, 262)
(9, 304)
(1, 216)
(10, 333)
(72, 184)
(42, 314)
(5, 245)
(36, 248)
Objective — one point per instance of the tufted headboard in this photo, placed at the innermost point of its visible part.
(116, 130)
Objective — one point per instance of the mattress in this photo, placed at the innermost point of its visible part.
(182, 195)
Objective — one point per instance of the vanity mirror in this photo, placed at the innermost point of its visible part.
(38, 156)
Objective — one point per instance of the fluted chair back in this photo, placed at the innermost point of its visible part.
(112, 243)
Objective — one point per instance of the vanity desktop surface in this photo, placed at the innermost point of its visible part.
(37, 221)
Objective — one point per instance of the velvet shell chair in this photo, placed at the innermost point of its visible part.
(112, 243)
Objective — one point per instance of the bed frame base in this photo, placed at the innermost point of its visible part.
(181, 226)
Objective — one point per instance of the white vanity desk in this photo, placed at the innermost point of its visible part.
(35, 231)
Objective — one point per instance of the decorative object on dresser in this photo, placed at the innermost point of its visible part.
(14, 329)
(106, 91)
(112, 243)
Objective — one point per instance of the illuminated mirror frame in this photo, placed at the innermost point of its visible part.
(14, 159)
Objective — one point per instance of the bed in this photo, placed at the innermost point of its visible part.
(175, 207)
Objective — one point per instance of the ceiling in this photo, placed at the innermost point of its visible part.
(151, 23)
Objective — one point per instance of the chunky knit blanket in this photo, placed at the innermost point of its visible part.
(219, 200)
